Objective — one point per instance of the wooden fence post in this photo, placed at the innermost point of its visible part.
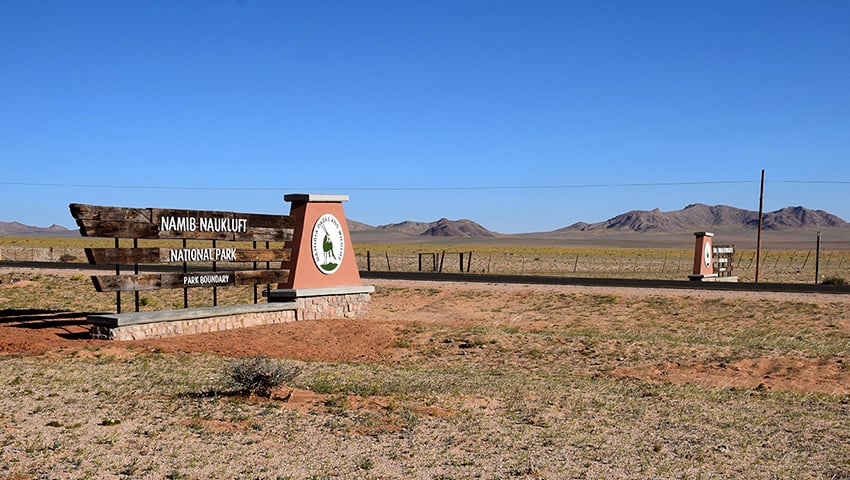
(185, 290)
(136, 271)
(254, 266)
(117, 272)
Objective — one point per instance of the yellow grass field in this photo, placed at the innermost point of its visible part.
(784, 266)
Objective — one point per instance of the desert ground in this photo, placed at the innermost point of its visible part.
(439, 381)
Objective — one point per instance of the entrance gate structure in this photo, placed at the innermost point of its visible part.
(315, 272)
(712, 263)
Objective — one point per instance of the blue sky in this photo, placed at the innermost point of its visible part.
(522, 116)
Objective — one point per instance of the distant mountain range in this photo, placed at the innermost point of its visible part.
(699, 216)
(691, 218)
(441, 228)
(16, 229)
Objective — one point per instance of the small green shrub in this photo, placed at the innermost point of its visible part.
(259, 375)
(366, 464)
(834, 280)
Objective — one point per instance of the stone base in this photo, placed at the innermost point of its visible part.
(174, 323)
(712, 278)
(284, 306)
(322, 303)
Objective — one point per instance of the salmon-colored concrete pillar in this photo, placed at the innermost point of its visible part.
(703, 255)
(322, 253)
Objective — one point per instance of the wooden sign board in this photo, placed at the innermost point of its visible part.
(149, 223)
(129, 256)
(156, 281)
(159, 223)
(723, 259)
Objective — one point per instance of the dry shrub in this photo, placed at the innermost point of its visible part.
(834, 280)
(259, 375)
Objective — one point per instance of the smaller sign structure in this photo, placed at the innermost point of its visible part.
(712, 263)
(724, 256)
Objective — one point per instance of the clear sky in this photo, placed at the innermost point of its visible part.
(522, 115)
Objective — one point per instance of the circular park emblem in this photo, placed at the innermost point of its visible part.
(327, 244)
(706, 253)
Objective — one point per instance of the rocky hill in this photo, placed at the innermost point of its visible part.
(16, 229)
(440, 228)
(699, 216)
(456, 228)
(799, 217)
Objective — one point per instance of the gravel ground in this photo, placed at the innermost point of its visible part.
(441, 381)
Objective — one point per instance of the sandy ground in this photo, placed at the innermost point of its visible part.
(377, 338)
(440, 381)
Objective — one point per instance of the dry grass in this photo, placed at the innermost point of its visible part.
(153, 415)
(481, 382)
(786, 266)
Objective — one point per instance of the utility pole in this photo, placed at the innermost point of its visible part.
(758, 241)
(817, 262)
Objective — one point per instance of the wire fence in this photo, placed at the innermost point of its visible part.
(785, 266)
(42, 254)
(775, 266)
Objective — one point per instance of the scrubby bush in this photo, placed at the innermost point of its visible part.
(259, 375)
(834, 280)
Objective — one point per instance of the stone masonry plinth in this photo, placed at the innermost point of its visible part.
(173, 323)
(284, 306)
(322, 303)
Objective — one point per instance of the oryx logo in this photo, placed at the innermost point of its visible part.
(327, 244)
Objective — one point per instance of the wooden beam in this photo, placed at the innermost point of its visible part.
(152, 223)
(157, 281)
(129, 256)
(97, 228)
(110, 214)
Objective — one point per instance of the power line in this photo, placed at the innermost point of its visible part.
(424, 188)
(811, 182)
(428, 188)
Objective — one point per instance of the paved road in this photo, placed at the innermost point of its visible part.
(611, 282)
(524, 279)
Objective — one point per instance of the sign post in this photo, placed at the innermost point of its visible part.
(703, 265)
(324, 281)
(321, 246)
(712, 263)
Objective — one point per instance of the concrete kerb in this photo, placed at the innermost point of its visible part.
(113, 320)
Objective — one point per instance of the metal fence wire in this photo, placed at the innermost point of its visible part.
(776, 266)
(786, 266)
